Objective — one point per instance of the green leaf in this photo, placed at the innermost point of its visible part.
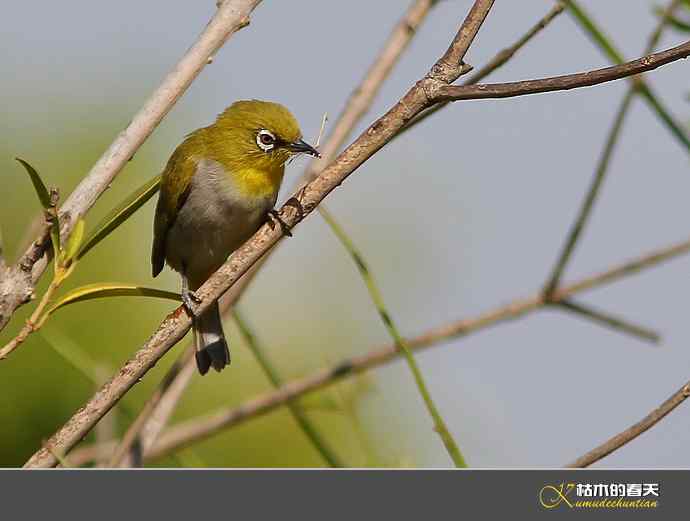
(107, 290)
(39, 186)
(74, 241)
(48, 206)
(120, 214)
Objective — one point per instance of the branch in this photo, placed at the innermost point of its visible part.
(16, 287)
(422, 95)
(559, 83)
(633, 432)
(610, 321)
(191, 431)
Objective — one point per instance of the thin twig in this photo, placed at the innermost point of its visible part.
(33, 323)
(377, 298)
(634, 431)
(589, 200)
(500, 59)
(305, 424)
(611, 321)
(231, 16)
(432, 88)
(561, 83)
(191, 431)
(604, 161)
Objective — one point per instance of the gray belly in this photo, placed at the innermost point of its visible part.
(212, 223)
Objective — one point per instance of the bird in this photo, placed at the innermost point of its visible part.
(218, 187)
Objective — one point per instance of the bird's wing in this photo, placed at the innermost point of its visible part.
(175, 184)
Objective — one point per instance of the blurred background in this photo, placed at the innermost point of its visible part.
(464, 213)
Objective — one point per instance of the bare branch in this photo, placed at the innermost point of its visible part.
(610, 321)
(592, 194)
(17, 287)
(633, 432)
(559, 83)
(191, 431)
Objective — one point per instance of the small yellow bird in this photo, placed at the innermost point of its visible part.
(217, 189)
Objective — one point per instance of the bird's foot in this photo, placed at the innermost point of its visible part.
(275, 218)
(190, 301)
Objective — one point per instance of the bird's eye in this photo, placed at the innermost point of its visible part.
(265, 140)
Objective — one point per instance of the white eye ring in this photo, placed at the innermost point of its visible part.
(265, 140)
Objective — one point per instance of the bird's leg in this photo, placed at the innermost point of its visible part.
(189, 298)
(275, 217)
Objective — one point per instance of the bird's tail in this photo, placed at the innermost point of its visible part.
(211, 346)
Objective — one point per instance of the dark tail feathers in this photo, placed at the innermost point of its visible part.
(211, 348)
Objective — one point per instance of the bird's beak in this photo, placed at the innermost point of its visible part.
(303, 146)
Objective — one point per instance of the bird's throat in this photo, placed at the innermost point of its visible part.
(258, 183)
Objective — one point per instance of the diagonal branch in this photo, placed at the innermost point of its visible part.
(619, 440)
(16, 287)
(610, 321)
(189, 432)
(423, 94)
(175, 381)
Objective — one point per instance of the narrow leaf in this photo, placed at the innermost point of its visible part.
(120, 214)
(75, 240)
(39, 186)
(109, 289)
(48, 200)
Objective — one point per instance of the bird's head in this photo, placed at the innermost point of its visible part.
(261, 134)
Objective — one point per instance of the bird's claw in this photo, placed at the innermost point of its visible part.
(190, 301)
